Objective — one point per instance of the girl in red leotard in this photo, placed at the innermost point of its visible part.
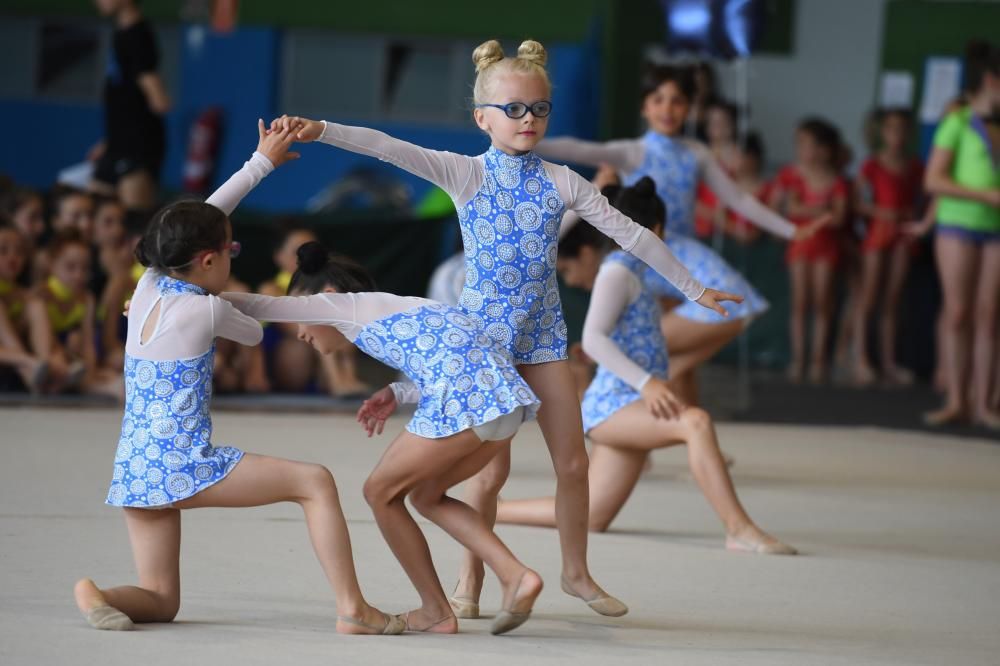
(809, 188)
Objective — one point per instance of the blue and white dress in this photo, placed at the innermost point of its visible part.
(677, 166)
(510, 208)
(464, 378)
(624, 317)
(165, 453)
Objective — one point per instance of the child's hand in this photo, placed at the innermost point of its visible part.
(305, 130)
(128, 305)
(376, 410)
(710, 299)
(809, 229)
(274, 145)
(660, 400)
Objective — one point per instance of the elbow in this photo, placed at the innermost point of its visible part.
(589, 342)
(934, 183)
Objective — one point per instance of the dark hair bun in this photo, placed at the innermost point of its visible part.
(611, 191)
(645, 187)
(312, 257)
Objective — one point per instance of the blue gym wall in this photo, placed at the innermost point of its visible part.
(239, 72)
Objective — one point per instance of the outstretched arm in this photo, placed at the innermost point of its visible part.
(624, 155)
(583, 198)
(272, 152)
(458, 175)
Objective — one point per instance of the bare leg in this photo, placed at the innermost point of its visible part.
(899, 268)
(871, 273)
(255, 481)
(137, 190)
(822, 296)
(294, 361)
(13, 353)
(958, 266)
(985, 345)
(521, 586)
(407, 466)
(481, 494)
(620, 446)
(562, 428)
(798, 277)
(691, 343)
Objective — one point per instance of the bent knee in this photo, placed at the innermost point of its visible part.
(599, 524)
(424, 499)
(697, 419)
(572, 467)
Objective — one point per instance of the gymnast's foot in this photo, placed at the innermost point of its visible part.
(752, 539)
(96, 610)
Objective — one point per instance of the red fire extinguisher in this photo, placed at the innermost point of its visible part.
(203, 150)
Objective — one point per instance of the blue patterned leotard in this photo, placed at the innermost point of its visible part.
(165, 452)
(637, 334)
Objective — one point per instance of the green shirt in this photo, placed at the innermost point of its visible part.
(972, 167)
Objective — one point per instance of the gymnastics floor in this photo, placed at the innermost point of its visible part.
(900, 534)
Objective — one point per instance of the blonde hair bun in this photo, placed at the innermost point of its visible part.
(533, 52)
(487, 53)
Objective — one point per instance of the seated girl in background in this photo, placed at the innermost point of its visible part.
(628, 410)
(63, 318)
(14, 353)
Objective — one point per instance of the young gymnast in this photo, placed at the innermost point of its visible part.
(62, 318)
(509, 204)
(166, 461)
(471, 403)
(888, 192)
(628, 410)
(678, 165)
(812, 186)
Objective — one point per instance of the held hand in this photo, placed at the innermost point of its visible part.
(809, 229)
(305, 130)
(376, 410)
(660, 400)
(711, 298)
(274, 144)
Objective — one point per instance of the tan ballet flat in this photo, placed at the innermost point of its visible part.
(394, 625)
(603, 603)
(465, 608)
(109, 618)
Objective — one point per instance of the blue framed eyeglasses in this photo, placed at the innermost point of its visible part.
(518, 110)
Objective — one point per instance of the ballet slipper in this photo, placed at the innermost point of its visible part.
(394, 625)
(429, 628)
(509, 619)
(108, 618)
(601, 603)
(465, 608)
(774, 547)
